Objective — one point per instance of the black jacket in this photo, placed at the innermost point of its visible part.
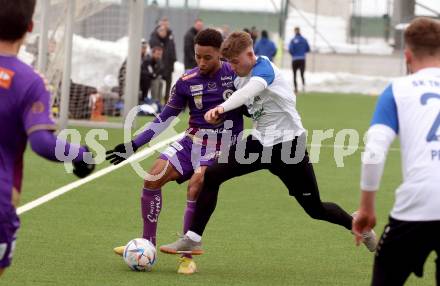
(169, 51)
(188, 51)
(151, 68)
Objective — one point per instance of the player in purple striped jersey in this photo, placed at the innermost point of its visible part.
(24, 115)
(201, 88)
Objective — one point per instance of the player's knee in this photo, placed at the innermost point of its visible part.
(155, 178)
(153, 184)
(2, 270)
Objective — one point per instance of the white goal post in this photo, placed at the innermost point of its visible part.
(79, 47)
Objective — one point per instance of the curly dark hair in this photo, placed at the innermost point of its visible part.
(209, 37)
(15, 16)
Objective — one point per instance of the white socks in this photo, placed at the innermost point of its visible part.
(193, 236)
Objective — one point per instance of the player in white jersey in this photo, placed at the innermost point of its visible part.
(277, 144)
(409, 108)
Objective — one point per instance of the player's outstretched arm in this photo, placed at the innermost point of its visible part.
(123, 151)
(243, 95)
(44, 142)
(237, 99)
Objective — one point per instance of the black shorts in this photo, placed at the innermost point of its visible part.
(403, 249)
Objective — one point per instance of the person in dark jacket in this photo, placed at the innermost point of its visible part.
(265, 47)
(254, 34)
(298, 48)
(151, 70)
(163, 36)
(123, 70)
(188, 51)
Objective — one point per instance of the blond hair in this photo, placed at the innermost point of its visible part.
(235, 44)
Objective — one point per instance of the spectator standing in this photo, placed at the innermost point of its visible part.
(123, 71)
(298, 48)
(265, 47)
(254, 34)
(189, 57)
(163, 36)
(151, 75)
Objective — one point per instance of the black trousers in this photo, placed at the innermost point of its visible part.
(403, 249)
(297, 175)
(168, 80)
(301, 66)
(145, 85)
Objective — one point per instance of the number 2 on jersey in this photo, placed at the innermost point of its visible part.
(432, 135)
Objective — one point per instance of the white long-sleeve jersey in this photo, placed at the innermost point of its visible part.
(409, 108)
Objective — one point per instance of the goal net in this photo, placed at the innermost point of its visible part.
(99, 48)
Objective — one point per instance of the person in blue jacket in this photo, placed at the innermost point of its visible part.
(298, 48)
(265, 47)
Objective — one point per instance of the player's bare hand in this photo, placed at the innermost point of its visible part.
(213, 115)
(363, 222)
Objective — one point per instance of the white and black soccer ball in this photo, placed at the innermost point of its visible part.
(140, 254)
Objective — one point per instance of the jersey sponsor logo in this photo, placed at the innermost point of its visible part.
(198, 101)
(229, 77)
(199, 93)
(228, 84)
(256, 115)
(6, 77)
(227, 93)
(212, 86)
(37, 107)
(194, 88)
(189, 76)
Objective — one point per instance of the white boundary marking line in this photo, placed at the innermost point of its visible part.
(71, 186)
(358, 148)
(136, 157)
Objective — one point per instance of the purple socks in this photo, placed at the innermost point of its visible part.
(187, 219)
(151, 204)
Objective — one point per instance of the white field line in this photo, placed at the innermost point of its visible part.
(360, 148)
(71, 186)
(138, 156)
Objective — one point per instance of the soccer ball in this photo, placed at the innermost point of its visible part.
(140, 254)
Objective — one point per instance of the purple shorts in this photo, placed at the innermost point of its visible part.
(186, 156)
(9, 224)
